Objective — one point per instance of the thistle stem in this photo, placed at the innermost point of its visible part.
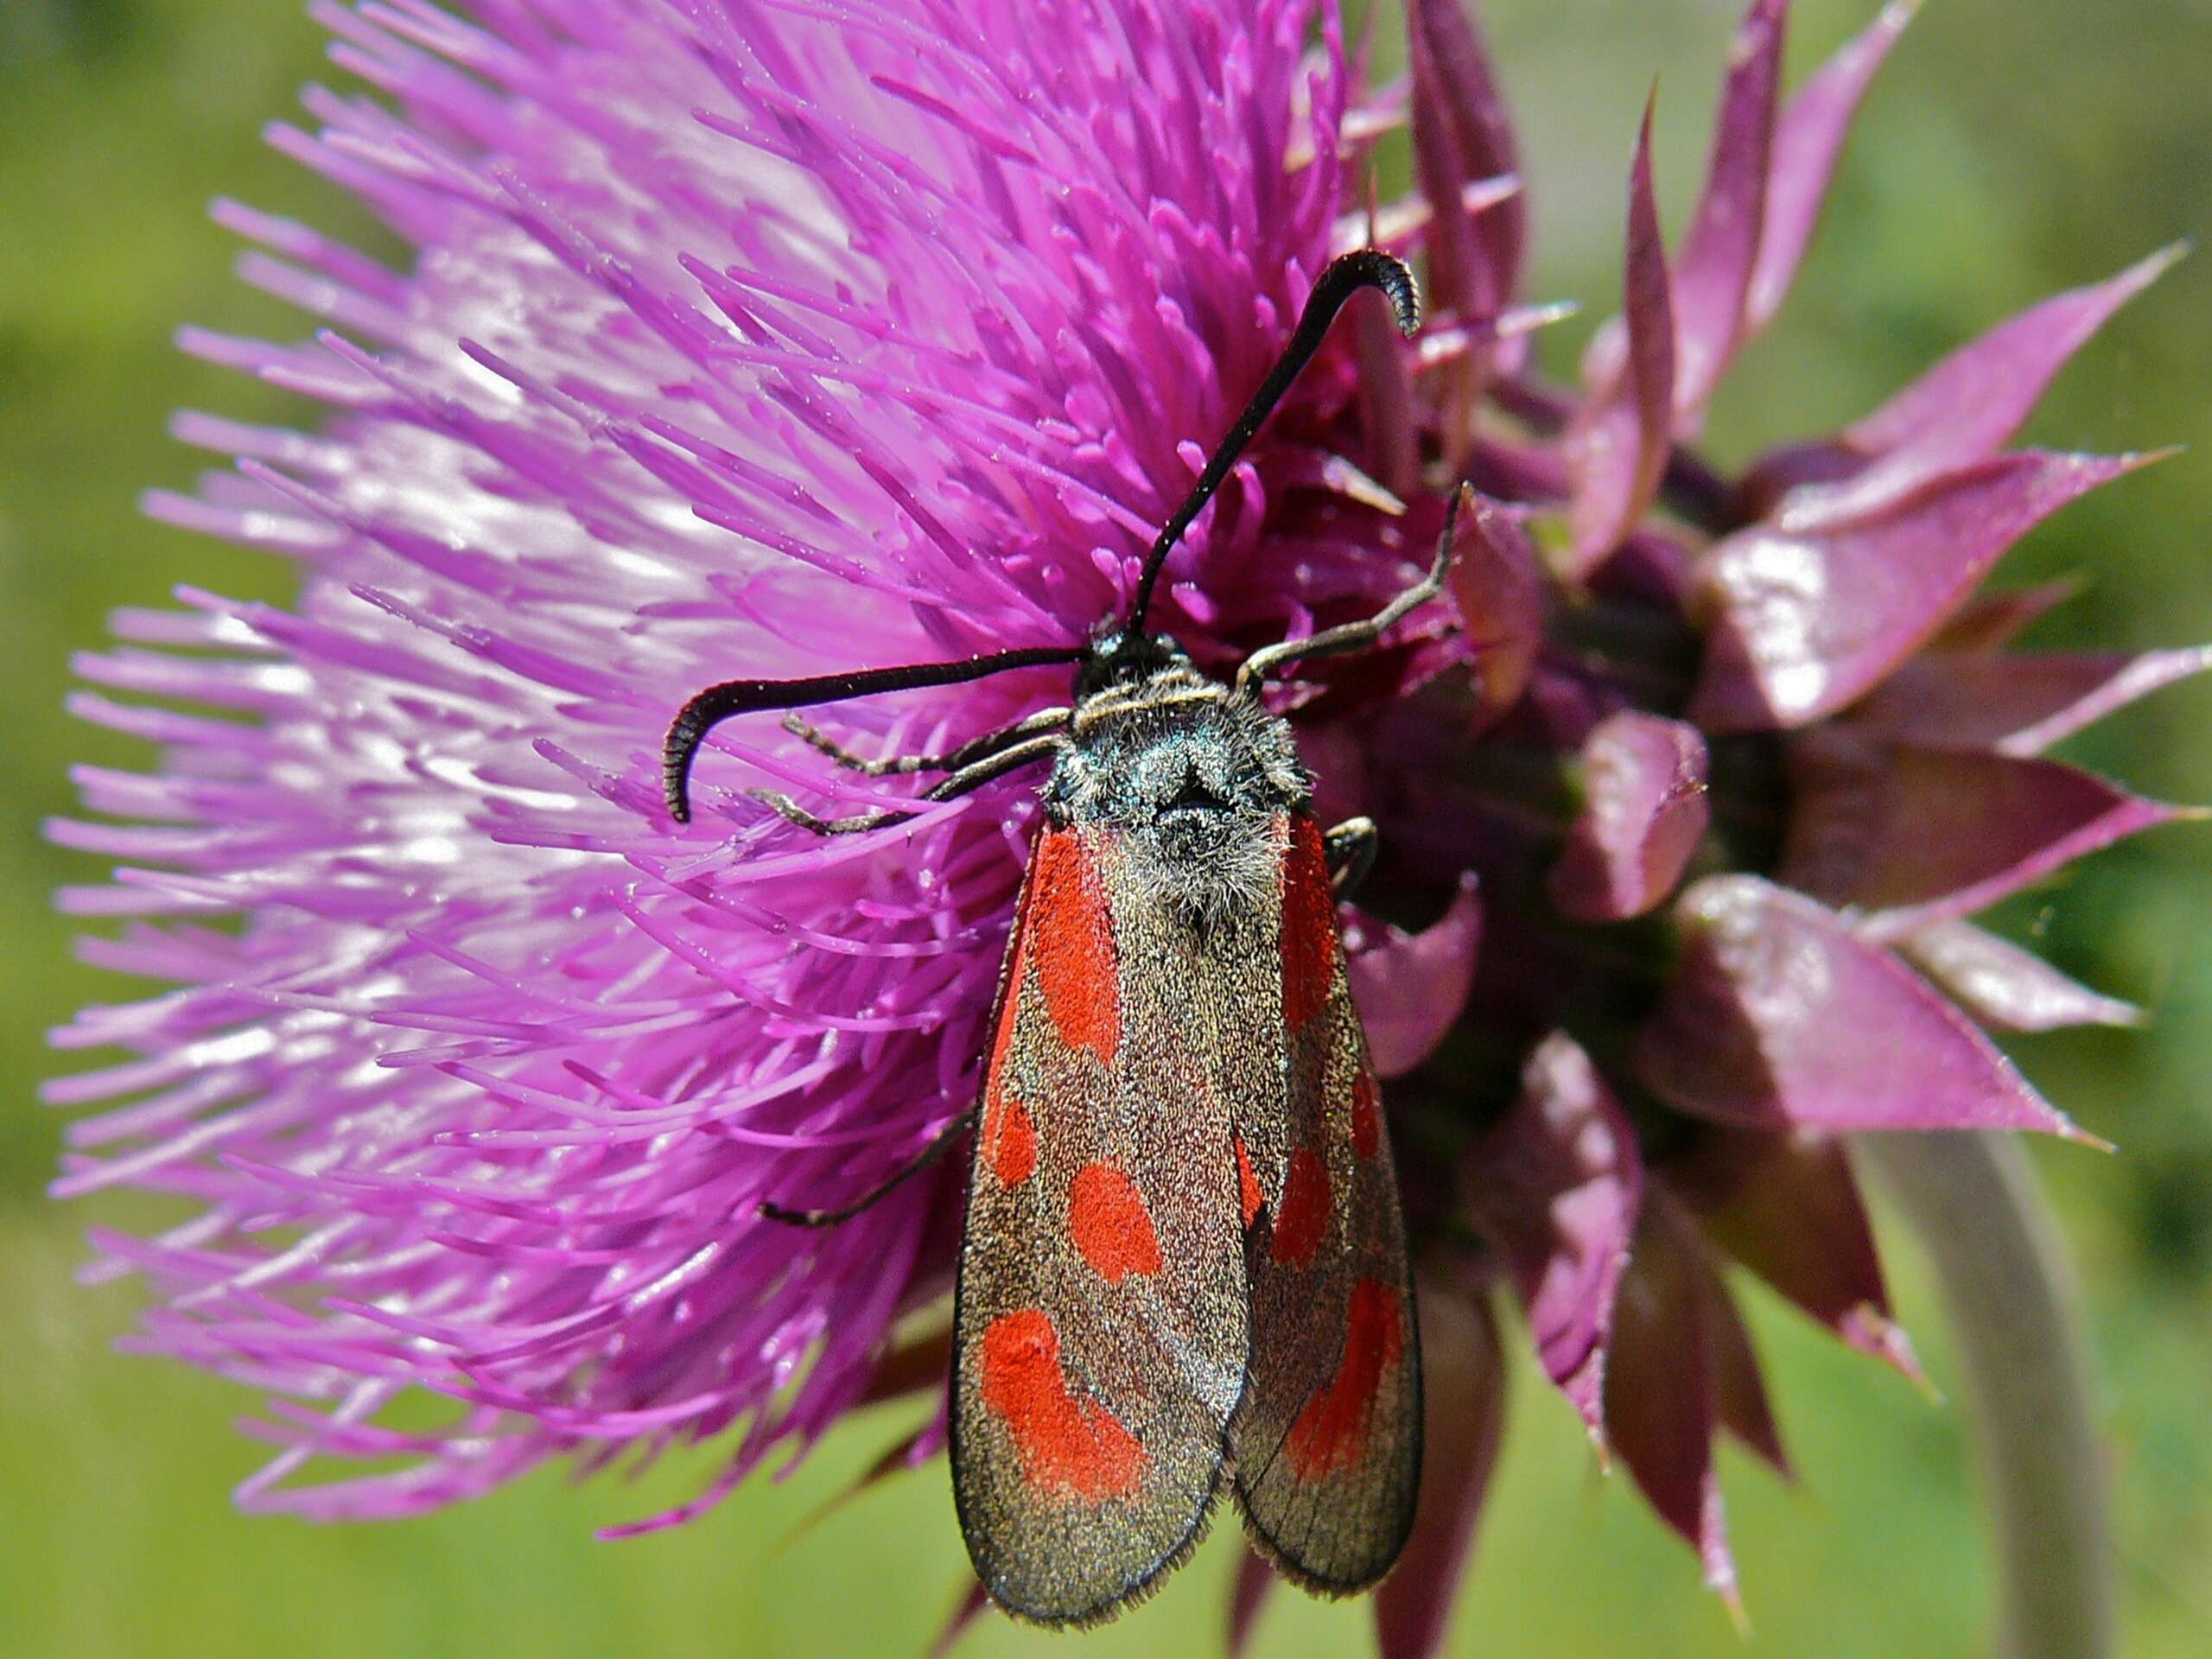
(1976, 1205)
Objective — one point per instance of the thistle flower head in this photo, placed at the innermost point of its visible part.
(746, 339)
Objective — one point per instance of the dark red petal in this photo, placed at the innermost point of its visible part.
(1779, 1016)
(2018, 704)
(1616, 451)
(1712, 271)
(1967, 406)
(1765, 486)
(1386, 398)
(1499, 586)
(1993, 618)
(910, 1367)
(1643, 812)
(1914, 835)
(1976, 398)
(1336, 752)
(1807, 614)
(1463, 134)
(1740, 1387)
(2007, 988)
(1806, 143)
(1463, 1385)
(1255, 1580)
(909, 1452)
(1662, 1393)
(1787, 1206)
(1649, 566)
(1409, 988)
(1557, 1187)
(971, 1606)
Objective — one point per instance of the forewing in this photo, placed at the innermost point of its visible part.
(1100, 1320)
(1326, 1444)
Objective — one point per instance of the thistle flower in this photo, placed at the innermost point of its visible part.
(750, 339)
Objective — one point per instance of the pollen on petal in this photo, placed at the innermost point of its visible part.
(1302, 1218)
(1069, 1448)
(1111, 1225)
(1330, 1433)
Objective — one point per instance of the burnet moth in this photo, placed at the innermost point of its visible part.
(1184, 1265)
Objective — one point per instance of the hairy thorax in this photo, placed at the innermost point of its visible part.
(1193, 779)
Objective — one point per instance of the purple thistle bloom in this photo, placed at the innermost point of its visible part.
(747, 339)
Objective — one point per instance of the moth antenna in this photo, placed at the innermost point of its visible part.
(1346, 275)
(718, 702)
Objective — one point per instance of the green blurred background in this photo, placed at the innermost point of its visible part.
(2008, 149)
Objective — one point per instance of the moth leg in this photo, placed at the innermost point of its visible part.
(1350, 849)
(718, 702)
(968, 779)
(815, 738)
(928, 1155)
(1044, 719)
(1348, 637)
(798, 815)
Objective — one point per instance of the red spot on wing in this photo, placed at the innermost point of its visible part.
(1069, 1447)
(1309, 925)
(1010, 1136)
(1111, 1225)
(1072, 931)
(1248, 1183)
(1302, 1218)
(1330, 1432)
(1366, 1125)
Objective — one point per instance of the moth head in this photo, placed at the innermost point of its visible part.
(1125, 659)
(1192, 780)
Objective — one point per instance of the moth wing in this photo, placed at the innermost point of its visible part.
(1100, 1318)
(1327, 1444)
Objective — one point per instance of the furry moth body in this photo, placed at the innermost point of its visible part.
(1183, 1271)
(1183, 1268)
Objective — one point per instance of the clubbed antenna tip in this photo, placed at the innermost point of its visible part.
(1346, 276)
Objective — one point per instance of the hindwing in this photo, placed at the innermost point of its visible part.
(1327, 1443)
